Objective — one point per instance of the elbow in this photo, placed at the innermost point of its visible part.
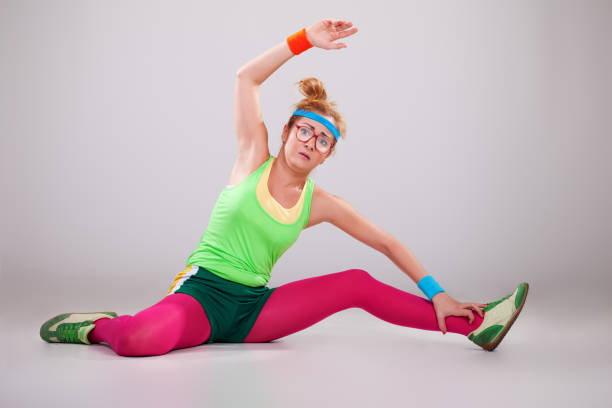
(244, 77)
(243, 72)
(389, 245)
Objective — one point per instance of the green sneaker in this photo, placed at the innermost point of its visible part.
(71, 327)
(499, 317)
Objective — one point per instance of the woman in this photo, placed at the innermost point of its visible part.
(222, 296)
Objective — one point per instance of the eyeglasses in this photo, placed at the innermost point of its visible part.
(323, 143)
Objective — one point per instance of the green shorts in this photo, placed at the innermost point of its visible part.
(231, 307)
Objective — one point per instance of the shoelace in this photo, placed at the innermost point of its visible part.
(497, 302)
(69, 332)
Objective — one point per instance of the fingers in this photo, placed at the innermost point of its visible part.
(342, 23)
(342, 34)
(338, 29)
(477, 309)
(469, 314)
(442, 324)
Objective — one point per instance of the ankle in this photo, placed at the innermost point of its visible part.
(461, 325)
(94, 335)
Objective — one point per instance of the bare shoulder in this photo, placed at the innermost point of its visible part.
(321, 206)
(247, 162)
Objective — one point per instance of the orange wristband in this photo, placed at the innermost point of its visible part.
(298, 43)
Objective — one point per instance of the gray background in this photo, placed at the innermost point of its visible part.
(478, 135)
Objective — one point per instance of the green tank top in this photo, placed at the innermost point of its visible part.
(242, 241)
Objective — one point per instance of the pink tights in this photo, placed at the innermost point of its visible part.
(179, 321)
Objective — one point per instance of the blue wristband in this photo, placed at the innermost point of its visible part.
(429, 286)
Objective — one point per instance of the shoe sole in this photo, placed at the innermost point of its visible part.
(491, 346)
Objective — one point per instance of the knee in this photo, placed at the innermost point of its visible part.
(358, 282)
(134, 341)
(122, 345)
(359, 274)
(125, 345)
(133, 345)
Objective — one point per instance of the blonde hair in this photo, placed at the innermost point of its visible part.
(316, 101)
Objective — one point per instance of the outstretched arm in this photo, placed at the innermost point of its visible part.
(343, 215)
(339, 212)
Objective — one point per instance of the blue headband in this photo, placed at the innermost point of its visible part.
(319, 118)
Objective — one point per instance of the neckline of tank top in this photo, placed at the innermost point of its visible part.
(302, 193)
(275, 200)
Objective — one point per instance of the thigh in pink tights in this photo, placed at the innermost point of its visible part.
(177, 321)
(297, 305)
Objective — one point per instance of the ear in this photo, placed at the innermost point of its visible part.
(284, 134)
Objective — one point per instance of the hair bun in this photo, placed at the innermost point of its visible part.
(313, 89)
(316, 101)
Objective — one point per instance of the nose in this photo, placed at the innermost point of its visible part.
(310, 143)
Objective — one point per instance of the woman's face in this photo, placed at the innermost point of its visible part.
(297, 150)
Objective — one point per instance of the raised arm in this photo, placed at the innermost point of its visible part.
(249, 125)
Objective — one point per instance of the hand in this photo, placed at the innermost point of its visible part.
(322, 33)
(447, 306)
